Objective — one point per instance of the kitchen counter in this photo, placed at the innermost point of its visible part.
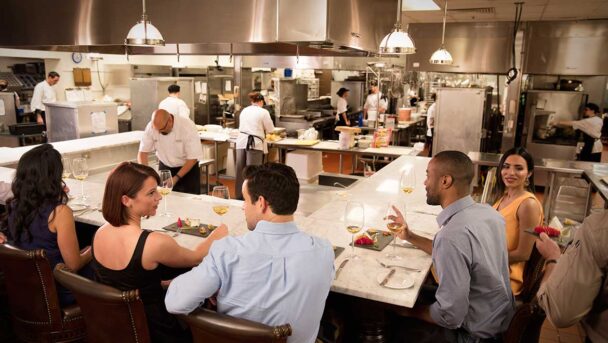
(594, 177)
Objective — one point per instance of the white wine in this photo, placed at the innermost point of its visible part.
(353, 229)
(80, 177)
(395, 227)
(407, 190)
(220, 210)
(164, 191)
(65, 175)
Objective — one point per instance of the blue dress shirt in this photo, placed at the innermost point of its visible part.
(274, 275)
(470, 257)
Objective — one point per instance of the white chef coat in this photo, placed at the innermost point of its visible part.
(371, 102)
(430, 120)
(342, 106)
(173, 149)
(43, 92)
(593, 127)
(256, 121)
(175, 106)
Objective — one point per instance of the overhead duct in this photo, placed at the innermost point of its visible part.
(248, 27)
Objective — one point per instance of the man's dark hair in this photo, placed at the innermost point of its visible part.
(277, 183)
(595, 108)
(173, 89)
(457, 165)
(53, 74)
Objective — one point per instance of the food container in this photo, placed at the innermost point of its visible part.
(405, 114)
(364, 143)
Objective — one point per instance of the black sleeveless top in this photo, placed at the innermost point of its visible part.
(163, 326)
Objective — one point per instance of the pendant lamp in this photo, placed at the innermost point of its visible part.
(397, 41)
(442, 56)
(144, 33)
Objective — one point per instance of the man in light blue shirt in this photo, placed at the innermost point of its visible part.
(474, 299)
(274, 274)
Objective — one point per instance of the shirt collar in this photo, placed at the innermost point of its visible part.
(276, 228)
(454, 208)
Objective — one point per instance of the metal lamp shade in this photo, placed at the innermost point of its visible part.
(144, 33)
(441, 56)
(397, 42)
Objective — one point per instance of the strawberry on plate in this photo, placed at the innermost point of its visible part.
(550, 231)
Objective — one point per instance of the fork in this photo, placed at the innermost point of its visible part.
(397, 266)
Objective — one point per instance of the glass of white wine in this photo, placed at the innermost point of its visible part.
(220, 207)
(354, 219)
(67, 168)
(407, 182)
(394, 228)
(164, 188)
(80, 170)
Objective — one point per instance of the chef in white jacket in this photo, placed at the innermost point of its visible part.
(591, 128)
(254, 124)
(173, 104)
(44, 93)
(374, 104)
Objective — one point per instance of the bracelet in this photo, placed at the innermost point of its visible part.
(547, 262)
(178, 177)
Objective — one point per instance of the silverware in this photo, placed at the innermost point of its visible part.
(397, 266)
(341, 267)
(387, 277)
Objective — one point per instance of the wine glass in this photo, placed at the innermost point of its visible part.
(67, 168)
(407, 182)
(220, 207)
(394, 228)
(164, 188)
(354, 219)
(80, 170)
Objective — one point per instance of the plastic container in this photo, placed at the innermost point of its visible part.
(306, 164)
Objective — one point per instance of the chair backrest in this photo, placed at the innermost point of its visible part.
(488, 186)
(526, 324)
(533, 274)
(110, 315)
(30, 286)
(210, 326)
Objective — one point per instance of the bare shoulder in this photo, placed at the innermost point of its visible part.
(157, 240)
(529, 205)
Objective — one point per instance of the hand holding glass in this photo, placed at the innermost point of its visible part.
(165, 187)
(395, 223)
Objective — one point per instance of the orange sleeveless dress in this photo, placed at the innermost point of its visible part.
(516, 270)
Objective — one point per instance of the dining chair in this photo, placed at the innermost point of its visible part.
(533, 275)
(32, 297)
(110, 315)
(210, 326)
(526, 324)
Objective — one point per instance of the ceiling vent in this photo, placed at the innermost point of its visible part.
(479, 10)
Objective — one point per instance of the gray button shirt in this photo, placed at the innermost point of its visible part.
(472, 265)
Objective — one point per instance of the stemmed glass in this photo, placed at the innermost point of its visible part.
(165, 187)
(407, 182)
(354, 219)
(80, 170)
(394, 228)
(220, 207)
(67, 168)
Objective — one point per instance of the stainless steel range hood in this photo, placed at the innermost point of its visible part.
(210, 27)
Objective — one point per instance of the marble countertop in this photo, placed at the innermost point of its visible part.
(10, 156)
(333, 146)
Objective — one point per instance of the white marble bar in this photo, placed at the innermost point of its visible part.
(334, 146)
(101, 150)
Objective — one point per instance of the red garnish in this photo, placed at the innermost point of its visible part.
(364, 240)
(179, 222)
(551, 232)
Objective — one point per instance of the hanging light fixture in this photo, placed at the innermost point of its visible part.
(144, 33)
(442, 56)
(397, 41)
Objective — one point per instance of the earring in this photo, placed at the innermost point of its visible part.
(527, 182)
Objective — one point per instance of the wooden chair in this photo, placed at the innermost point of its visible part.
(110, 315)
(32, 296)
(533, 274)
(210, 326)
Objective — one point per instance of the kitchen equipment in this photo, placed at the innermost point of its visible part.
(568, 85)
(73, 120)
(26, 129)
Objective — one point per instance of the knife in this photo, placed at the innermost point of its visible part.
(341, 266)
(387, 277)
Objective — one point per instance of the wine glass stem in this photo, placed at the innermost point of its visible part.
(395, 244)
(82, 189)
(353, 244)
(165, 204)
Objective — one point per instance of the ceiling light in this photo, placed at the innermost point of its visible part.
(420, 5)
(397, 41)
(442, 56)
(144, 33)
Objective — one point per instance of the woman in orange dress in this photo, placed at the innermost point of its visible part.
(515, 200)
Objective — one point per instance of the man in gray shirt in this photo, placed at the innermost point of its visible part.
(474, 299)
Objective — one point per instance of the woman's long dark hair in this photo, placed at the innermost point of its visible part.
(500, 188)
(36, 186)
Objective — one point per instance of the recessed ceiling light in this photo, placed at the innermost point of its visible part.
(419, 5)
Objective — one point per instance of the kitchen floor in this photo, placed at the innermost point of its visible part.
(549, 334)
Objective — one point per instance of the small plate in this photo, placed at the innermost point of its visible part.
(399, 280)
(77, 207)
